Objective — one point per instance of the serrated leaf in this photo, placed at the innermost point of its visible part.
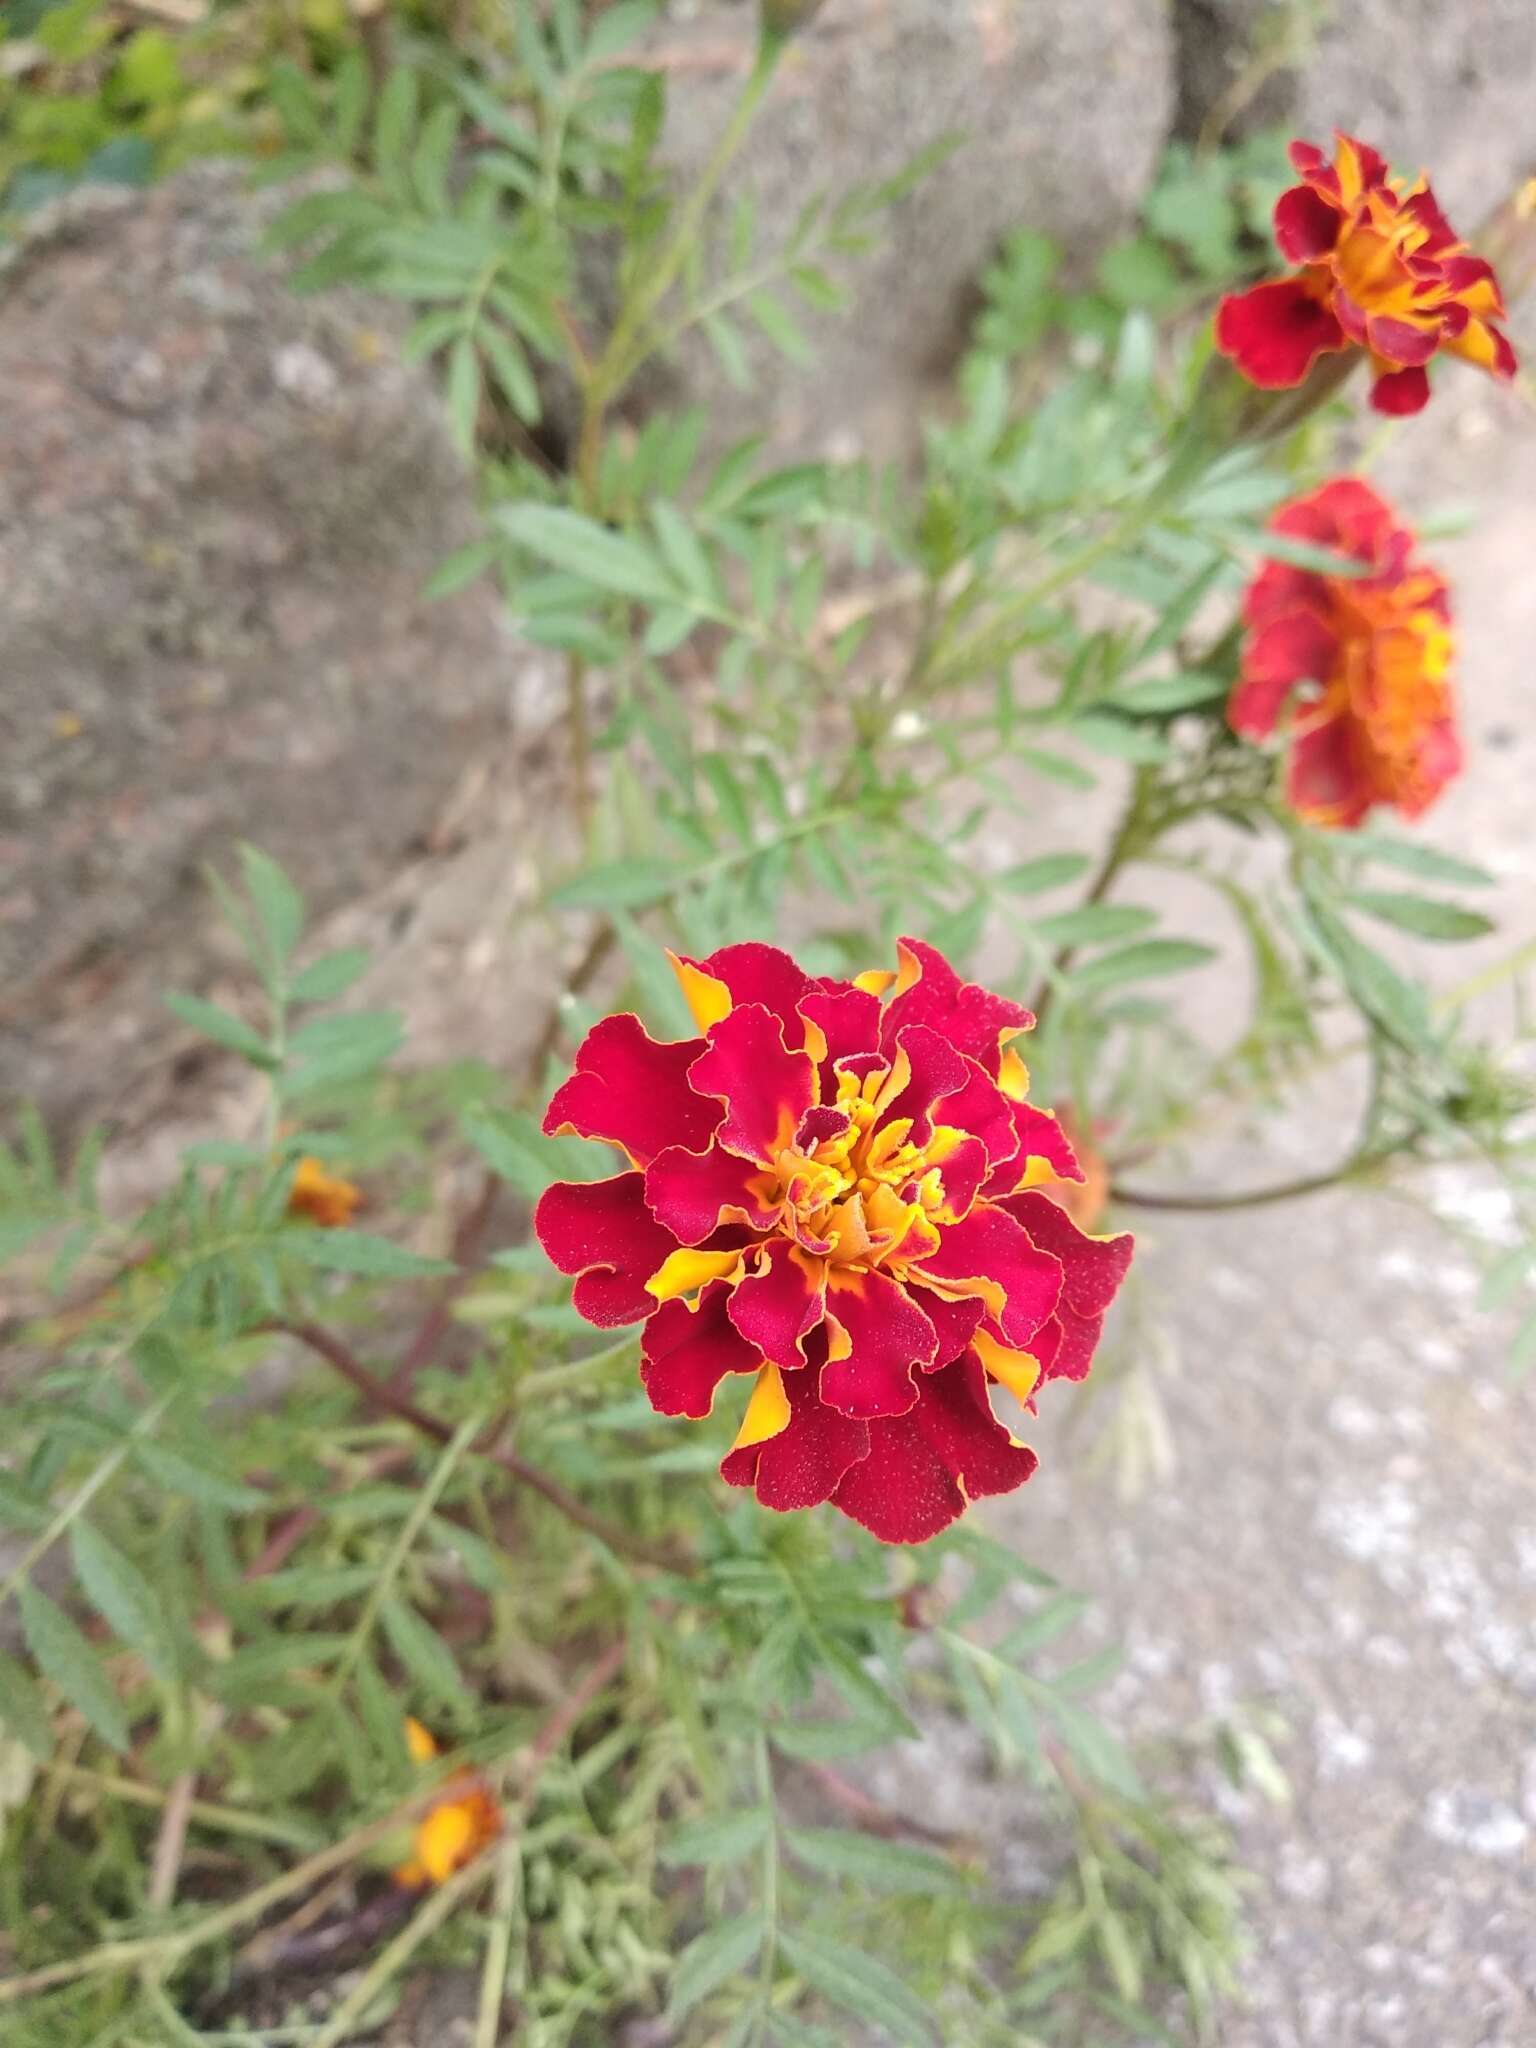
(512, 371)
(1165, 694)
(231, 1032)
(423, 1652)
(1122, 739)
(779, 326)
(857, 1984)
(821, 1741)
(23, 1712)
(463, 395)
(882, 1865)
(1425, 916)
(1047, 871)
(1413, 858)
(723, 1838)
(1093, 924)
(279, 906)
(711, 1960)
(196, 1482)
(570, 541)
(357, 1251)
(616, 885)
(64, 1656)
(1144, 961)
(331, 975)
(124, 1599)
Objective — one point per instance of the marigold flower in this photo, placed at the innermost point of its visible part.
(1364, 662)
(455, 1828)
(1380, 269)
(325, 1198)
(837, 1195)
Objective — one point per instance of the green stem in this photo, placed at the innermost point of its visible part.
(558, 1379)
(769, 1961)
(1352, 1168)
(1127, 842)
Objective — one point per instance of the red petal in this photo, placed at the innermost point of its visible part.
(1306, 156)
(693, 1193)
(777, 1307)
(1040, 1137)
(955, 1321)
(1295, 648)
(601, 1231)
(1324, 782)
(762, 974)
(972, 1019)
(848, 1019)
(1401, 392)
(1398, 341)
(936, 1069)
(1276, 332)
(925, 1467)
(633, 1091)
(890, 1335)
(766, 1088)
(961, 1174)
(982, 1108)
(802, 1465)
(1093, 1267)
(686, 1353)
(1064, 1348)
(1306, 226)
(992, 1247)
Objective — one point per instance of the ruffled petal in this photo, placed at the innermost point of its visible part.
(779, 1304)
(848, 1021)
(694, 1193)
(686, 1352)
(990, 1255)
(885, 1336)
(1276, 332)
(973, 1020)
(1306, 226)
(1044, 1151)
(925, 1467)
(766, 1087)
(925, 1067)
(1092, 1267)
(632, 1090)
(801, 1466)
(764, 975)
(602, 1232)
(1324, 781)
(955, 1321)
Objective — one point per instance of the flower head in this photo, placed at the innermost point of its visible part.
(1380, 268)
(833, 1192)
(325, 1198)
(464, 1820)
(1363, 662)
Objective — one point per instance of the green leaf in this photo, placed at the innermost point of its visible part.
(182, 1476)
(512, 371)
(331, 975)
(617, 885)
(882, 1866)
(23, 1712)
(355, 1251)
(1416, 859)
(820, 1741)
(1397, 1006)
(779, 326)
(1093, 924)
(711, 1960)
(124, 1599)
(1122, 739)
(464, 395)
(395, 123)
(423, 1652)
(857, 1984)
(1142, 962)
(63, 1655)
(1048, 871)
(328, 1050)
(1160, 694)
(1522, 1353)
(20, 1509)
(230, 1032)
(570, 541)
(1424, 916)
(723, 1838)
(278, 903)
(1300, 554)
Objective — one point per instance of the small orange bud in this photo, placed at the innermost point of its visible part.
(452, 1832)
(323, 1197)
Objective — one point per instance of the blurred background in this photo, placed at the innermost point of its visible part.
(221, 506)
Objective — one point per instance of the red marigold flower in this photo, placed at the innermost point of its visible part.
(325, 1198)
(1364, 663)
(1380, 269)
(834, 1190)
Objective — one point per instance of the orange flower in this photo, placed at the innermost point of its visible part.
(1362, 662)
(323, 1197)
(461, 1822)
(1381, 269)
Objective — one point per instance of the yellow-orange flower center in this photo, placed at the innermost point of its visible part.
(1392, 674)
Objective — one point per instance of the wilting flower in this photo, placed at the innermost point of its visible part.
(1363, 663)
(325, 1198)
(460, 1823)
(839, 1197)
(1380, 269)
